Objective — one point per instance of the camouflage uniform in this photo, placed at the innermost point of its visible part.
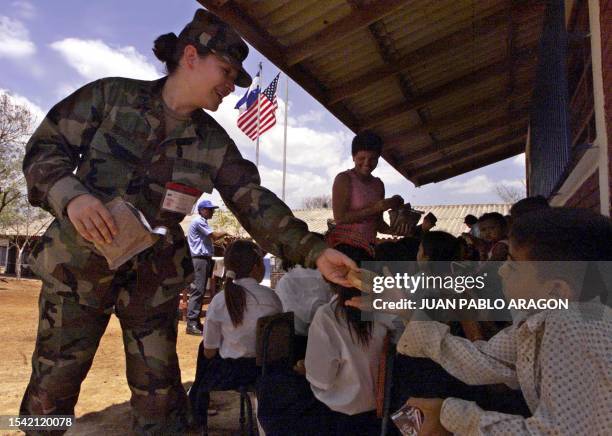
(112, 132)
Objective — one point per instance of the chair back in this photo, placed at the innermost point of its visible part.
(384, 384)
(275, 337)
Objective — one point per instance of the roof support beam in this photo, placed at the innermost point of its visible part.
(444, 45)
(502, 123)
(354, 22)
(422, 100)
(494, 155)
(475, 110)
(458, 152)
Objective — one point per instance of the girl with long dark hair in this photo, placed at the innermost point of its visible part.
(338, 393)
(226, 359)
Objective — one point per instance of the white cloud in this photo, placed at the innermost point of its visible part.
(480, 184)
(15, 40)
(24, 9)
(94, 59)
(298, 185)
(65, 89)
(519, 160)
(306, 147)
(312, 116)
(36, 111)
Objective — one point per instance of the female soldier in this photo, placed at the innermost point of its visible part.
(141, 141)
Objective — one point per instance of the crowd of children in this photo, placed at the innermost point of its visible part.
(546, 372)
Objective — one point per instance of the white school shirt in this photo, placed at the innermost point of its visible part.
(342, 373)
(302, 291)
(560, 359)
(235, 342)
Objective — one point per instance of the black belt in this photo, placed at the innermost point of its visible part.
(202, 257)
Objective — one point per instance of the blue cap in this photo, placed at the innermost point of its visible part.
(206, 204)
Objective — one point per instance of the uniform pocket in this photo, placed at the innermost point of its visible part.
(110, 163)
(192, 174)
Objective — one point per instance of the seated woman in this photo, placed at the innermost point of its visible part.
(226, 359)
(338, 394)
(358, 201)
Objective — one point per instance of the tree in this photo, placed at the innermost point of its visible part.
(317, 202)
(509, 193)
(225, 220)
(15, 128)
(22, 222)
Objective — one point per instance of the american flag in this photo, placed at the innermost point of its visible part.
(247, 121)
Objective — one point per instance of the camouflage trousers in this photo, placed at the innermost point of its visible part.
(68, 337)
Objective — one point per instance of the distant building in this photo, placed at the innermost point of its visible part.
(450, 217)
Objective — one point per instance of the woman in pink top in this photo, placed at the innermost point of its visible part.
(358, 201)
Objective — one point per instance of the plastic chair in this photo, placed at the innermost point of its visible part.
(386, 379)
(246, 405)
(247, 421)
(275, 336)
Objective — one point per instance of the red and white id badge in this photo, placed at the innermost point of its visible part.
(180, 198)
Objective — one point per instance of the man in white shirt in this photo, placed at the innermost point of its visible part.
(302, 291)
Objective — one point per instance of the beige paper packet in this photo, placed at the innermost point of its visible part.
(362, 279)
(135, 235)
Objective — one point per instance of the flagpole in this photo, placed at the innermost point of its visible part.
(285, 141)
(258, 114)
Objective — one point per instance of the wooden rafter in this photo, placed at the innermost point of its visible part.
(489, 157)
(468, 149)
(439, 47)
(354, 22)
(420, 101)
(501, 123)
(479, 111)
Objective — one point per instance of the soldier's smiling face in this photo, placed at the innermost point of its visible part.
(215, 80)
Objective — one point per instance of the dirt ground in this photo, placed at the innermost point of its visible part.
(103, 406)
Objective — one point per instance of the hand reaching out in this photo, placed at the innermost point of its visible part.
(335, 266)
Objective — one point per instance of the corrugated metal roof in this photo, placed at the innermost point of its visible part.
(450, 217)
(432, 77)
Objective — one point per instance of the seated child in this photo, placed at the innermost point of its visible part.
(302, 291)
(338, 393)
(527, 205)
(560, 359)
(227, 354)
(494, 230)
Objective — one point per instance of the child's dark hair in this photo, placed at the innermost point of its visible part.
(567, 240)
(470, 220)
(441, 248)
(496, 217)
(169, 48)
(527, 205)
(562, 233)
(362, 329)
(368, 141)
(240, 257)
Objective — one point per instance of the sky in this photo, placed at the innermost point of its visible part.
(49, 48)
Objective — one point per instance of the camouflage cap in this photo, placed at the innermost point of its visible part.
(209, 31)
